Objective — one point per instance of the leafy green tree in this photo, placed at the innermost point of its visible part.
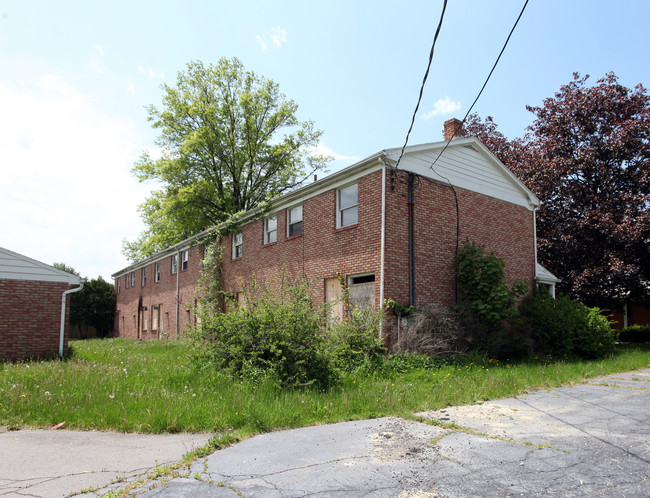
(587, 157)
(94, 305)
(230, 141)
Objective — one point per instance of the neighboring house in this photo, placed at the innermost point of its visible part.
(31, 297)
(392, 233)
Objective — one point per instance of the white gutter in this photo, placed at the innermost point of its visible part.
(62, 332)
(383, 243)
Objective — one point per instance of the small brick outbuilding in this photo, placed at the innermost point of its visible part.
(31, 297)
(391, 230)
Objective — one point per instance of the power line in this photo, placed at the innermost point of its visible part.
(424, 80)
(482, 88)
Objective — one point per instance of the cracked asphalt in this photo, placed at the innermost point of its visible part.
(590, 439)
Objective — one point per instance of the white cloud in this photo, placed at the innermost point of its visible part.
(130, 90)
(442, 107)
(152, 73)
(66, 187)
(324, 150)
(99, 50)
(276, 38)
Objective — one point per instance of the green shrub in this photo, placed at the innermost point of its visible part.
(279, 333)
(635, 333)
(355, 341)
(562, 326)
(482, 287)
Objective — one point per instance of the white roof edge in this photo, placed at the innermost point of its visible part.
(290, 198)
(57, 275)
(545, 276)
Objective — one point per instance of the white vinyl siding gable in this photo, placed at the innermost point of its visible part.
(467, 166)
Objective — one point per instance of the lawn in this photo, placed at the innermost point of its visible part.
(156, 387)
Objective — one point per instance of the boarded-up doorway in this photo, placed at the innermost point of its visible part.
(333, 298)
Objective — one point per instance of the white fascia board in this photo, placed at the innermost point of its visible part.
(18, 267)
(159, 256)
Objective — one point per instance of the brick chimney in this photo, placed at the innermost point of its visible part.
(453, 128)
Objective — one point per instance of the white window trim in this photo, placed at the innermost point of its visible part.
(144, 276)
(238, 236)
(156, 276)
(302, 218)
(185, 259)
(267, 232)
(339, 211)
(174, 263)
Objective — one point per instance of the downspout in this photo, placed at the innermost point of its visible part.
(382, 243)
(62, 331)
(411, 237)
(535, 241)
(178, 297)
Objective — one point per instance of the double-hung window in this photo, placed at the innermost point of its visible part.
(132, 278)
(271, 230)
(294, 221)
(156, 276)
(237, 243)
(347, 212)
(144, 277)
(174, 263)
(185, 255)
(127, 279)
(119, 284)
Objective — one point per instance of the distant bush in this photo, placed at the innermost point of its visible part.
(635, 333)
(562, 326)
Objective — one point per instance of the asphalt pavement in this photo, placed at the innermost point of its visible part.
(590, 439)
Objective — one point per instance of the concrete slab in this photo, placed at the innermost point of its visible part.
(45, 463)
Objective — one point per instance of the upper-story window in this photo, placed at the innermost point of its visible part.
(174, 263)
(347, 206)
(271, 230)
(237, 243)
(294, 221)
(132, 278)
(156, 276)
(185, 257)
(144, 277)
(127, 278)
(119, 284)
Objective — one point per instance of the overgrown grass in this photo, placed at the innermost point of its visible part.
(156, 387)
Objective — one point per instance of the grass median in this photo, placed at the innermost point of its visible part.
(158, 387)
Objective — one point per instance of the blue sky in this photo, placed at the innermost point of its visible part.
(75, 77)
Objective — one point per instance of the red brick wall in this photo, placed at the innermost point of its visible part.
(321, 251)
(161, 294)
(30, 318)
(500, 227)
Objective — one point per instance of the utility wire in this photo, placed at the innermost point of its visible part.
(424, 80)
(479, 93)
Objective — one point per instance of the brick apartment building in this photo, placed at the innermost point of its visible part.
(31, 302)
(392, 233)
